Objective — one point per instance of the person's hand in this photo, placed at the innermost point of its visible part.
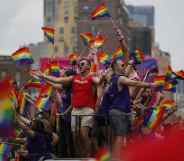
(155, 85)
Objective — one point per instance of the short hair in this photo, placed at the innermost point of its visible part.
(86, 59)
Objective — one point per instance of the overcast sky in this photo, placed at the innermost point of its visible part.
(21, 21)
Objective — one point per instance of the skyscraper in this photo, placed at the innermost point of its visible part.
(142, 14)
(71, 17)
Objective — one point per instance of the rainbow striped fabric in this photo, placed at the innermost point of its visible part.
(138, 56)
(22, 56)
(118, 54)
(103, 155)
(42, 102)
(6, 113)
(49, 33)
(54, 69)
(86, 37)
(154, 117)
(103, 57)
(180, 74)
(5, 150)
(168, 103)
(100, 11)
(159, 79)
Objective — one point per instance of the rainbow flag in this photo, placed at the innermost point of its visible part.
(159, 79)
(97, 42)
(168, 103)
(118, 54)
(180, 74)
(6, 113)
(86, 37)
(155, 117)
(100, 11)
(169, 73)
(103, 57)
(103, 155)
(5, 150)
(34, 83)
(49, 33)
(55, 69)
(138, 56)
(73, 58)
(42, 102)
(22, 56)
(170, 87)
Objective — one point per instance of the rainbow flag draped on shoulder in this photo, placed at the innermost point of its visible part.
(5, 150)
(22, 56)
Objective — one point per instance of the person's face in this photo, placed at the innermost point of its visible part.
(120, 66)
(84, 66)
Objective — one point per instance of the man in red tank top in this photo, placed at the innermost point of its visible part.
(83, 98)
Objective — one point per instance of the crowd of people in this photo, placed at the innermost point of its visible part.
(87, 110)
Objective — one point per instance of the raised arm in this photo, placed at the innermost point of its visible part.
(125, 81)
(55, 79)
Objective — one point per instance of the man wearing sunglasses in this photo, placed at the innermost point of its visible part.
(83, 98)
(119, 97)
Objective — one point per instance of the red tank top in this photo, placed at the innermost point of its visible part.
(82, 92)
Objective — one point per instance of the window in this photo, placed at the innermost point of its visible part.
(61, 30)
(66, 18)
(73, 30)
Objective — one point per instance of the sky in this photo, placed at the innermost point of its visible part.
(21, 21)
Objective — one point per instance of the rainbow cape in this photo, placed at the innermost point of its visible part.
(49, 33)
(22, 56)
(103, 57)
(86, 37)
(100, 11)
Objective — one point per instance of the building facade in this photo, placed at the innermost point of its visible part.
(71, 17)
(142, 26)
(142, 14)
(7, 66)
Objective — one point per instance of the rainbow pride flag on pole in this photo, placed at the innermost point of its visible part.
(55, 69)
(103, 57)
(97, 42)
(100, 11)
(42, 102)
(118, 54)
(22, 56)
(86, 37)
(138, 56)
(154, 117)
(49, 33)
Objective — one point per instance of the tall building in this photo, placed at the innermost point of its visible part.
(142, 14)
(142, 28)
(71, 17)
(104, 25)
(49, 12)
(140, 37)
